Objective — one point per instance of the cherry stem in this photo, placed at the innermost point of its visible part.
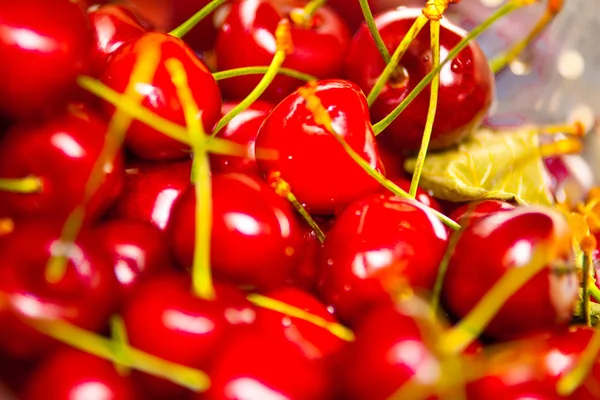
(499, 62)
(143, 71)
(27, 185)
(283, 189)
(594, 291)
(121, 343)
(284, 47)
(313, 103)
(585, 303)
(188, 25)
(304, 16)
(261, 70)
(370, 21)
(202, 283)
(433, 101)
(269, 303)
(568, 383)
(501, 12)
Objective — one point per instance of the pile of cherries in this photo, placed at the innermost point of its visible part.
(322, 283)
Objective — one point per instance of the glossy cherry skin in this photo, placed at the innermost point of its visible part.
(251, 218)
(165, 319)
(492, 246)
(138, 249)
(315, 342)
(265, 366)
(62, 152)
(243, 129)
(422, 196)
(321, 174)
(473, 212)
(250, 28)
(160, 95)
(113, 25)
(34, 34)
(150, 190)
(377, 246)
(75, 375)
(466, 87)
(392, 159)
(85, 296)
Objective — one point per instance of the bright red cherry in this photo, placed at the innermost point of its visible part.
(466, 84)
(243, 129)
(48, 43)
(321, 174)
(62, 153)
(159, 93)
(473, 212)
(319, 47)
(377, 246)
(86, 295)
(74, 375)
(422, 196)
(139, 250)
(251, 218)
(489, 248)
(113, 25)
(150, 190)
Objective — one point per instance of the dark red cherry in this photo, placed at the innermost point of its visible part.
(243, 129)
(61, 152)
(256, 239)
(377, 246)
(165, 319)
(113, 25)
(489, 248)
(319, 48)
(392, 159)
(86, 295)
(266, 366)
(139, 250)
(74, 375)
(466, 84)
(315, 342)
(150, 190)
(48, 43)
(159, 94)
(422, 196)
(321, 174)
(473, 212)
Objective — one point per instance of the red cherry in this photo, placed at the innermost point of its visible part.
(492, 246)
(321, 174)
(150, 191)
(260, 366)
(315, 342)
(160, 95)
(165, 319)
(112, 25)
(256, 239)
(376, 247)
(74, 375)
(139, 250)
(242, 129)
(85, 296)
(393, 161)
(422, 196)
(250, 28)
(466, 85)
(61, 152)
(50, 34)
(471, 213)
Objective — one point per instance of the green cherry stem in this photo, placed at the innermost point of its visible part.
(368, 15)
(433, 101)
(283, 39)
(594, 291)
(202, 283)
(258, 70)
(27, 185)
(506, 9)
(188, 25)
(573, 379)
(121, 344)
(303, 17)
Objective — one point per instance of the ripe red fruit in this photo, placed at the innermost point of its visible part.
(256, 239)
(489, 248)
(466, 84)
(49, 34)
(61, 152)
(250, 27)
(321, 174)
(159, 94)
(473, 212)
(377, 246)
(422, 196)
